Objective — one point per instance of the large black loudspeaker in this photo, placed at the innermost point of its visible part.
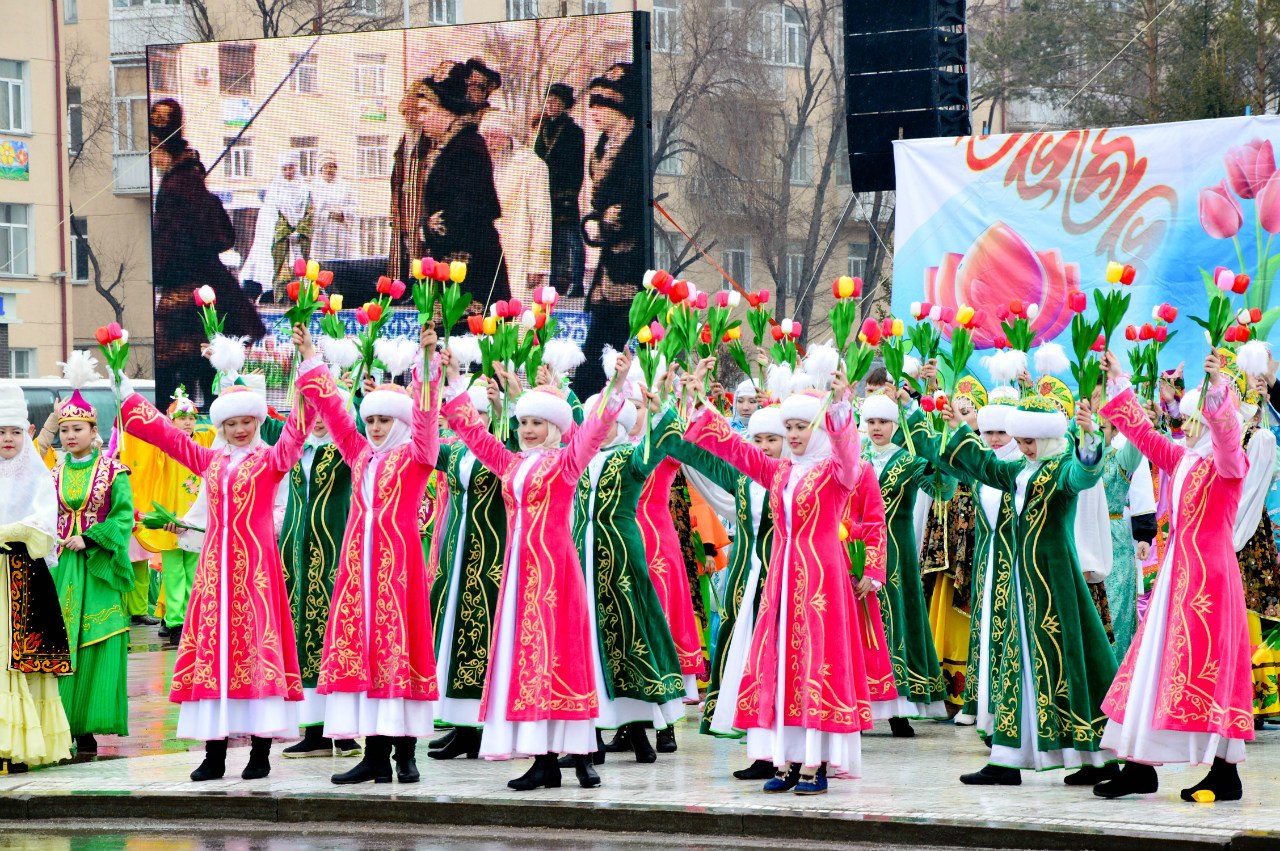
(905, 78)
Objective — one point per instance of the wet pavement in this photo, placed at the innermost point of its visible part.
(909, 794)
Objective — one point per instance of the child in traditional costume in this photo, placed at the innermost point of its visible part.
(33, 636)
(93, 574)
(803, 699)
(540, 698)
(1183, 693)
(378, 668)
(237, 668)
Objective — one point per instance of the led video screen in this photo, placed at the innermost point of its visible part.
(520, 147)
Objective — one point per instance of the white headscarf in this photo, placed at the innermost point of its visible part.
(27, 495)
(818, 450)
(399, 435)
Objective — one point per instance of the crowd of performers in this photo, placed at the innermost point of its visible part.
(505, 562)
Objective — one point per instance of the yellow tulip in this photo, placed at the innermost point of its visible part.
(898, 328)
(862, 338)
(335, 302)
(490, 325)
(844, 532)
(1114, 271)
(645, 336)
(846, 286)
(457, 271)
(313, 270)
(735, 333)
(415, 268)
(964, 314)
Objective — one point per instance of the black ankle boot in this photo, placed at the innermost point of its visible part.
(86, 745)
(993, 775)
(761, 769)
(597, 756)
(314, 743)
(1134, 779)
(215, 761)
(587, 776)
(259, 765)
(406, 765)
(667, 740)
(1092, 775)
(640, 743)
(620, 742)
(465, 742)
(375, 765)
(442, 741)
(175, 635)
(901, 728)
(1222, 782)
(545, 772)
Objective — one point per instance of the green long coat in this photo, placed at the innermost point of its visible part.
(1073, 665)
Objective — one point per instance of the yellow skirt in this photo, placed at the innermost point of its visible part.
(33, 724)
(1266, 670)
(950, 638)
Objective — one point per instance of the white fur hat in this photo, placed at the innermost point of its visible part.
(238, 400)
(13, 405)
(1036, 418)
(766, 421)
(878, 406)
(801, 406)
(994, 416)
(627, 414)
(545, 403)
(479, 396)
(746, 389)
(388, 400)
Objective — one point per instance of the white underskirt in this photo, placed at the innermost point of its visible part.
(691, 694)
(311, 710)
(349, 714)
(903, 707)
(735, 658)
(267, 717)
(1136, 740)
(986, 720)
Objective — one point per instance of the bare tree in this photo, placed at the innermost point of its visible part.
(108, 283)
(89, 104)
(275, 18)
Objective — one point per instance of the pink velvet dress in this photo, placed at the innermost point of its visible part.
(237, 670)
(378, 671)
(804, 696)
(539, 695)
(1184, 692)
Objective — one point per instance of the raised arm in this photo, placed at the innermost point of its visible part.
(665, 436)
(425, 446)
(846, 447)
(462, 418)
(1224, 426)
(588, 437)
(1127, 415)
(711, 432)
(141, 419)
(965, 454)
(287, 450)
(321, 394)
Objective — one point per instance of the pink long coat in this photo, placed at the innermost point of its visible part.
(551, 672)
(398, 660)
(865, 521)
(1205, 668)
(666, 565)
(826, 679)
(262, 658)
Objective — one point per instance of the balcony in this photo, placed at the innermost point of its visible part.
(131, 173)
(134, 28)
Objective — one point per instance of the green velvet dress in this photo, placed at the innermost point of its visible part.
(1122, 582)
(91, 587)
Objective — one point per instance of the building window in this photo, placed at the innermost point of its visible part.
(370, 8)
(858, 252)
(664, 31)
(843, 176)
(371, 156)
(22, 363)
(793, 40)
(13, 96)
(306, 75)
(443, 12)
(375, 236)
(308, 150)
(595, 7)
(662, 254)
(129, 108)
(239, 159)
(793, 270)
(736, 259)
(75, 121)
(15, 239)
(80, 266)
(235, 69)
(162, 68)
(70, 12)
(672, 164)
(370, 75)
(521, 10)
(802, 164)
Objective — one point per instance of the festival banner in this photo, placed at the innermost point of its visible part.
(984, 220)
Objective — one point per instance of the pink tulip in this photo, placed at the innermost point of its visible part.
(397, 289)
(764, 296)
(114, 330)
(299, 267)
(500, 309)
(1162, 333)
(1250, 166)
(722, 298)
(514, 307)
(1220, 212)
(1223, 278)
(1268, 204)
(702, 301)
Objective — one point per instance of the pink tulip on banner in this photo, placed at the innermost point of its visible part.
(1268, 202)
(1249, 166)
(1220, 213)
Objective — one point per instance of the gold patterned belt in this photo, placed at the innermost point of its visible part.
(1116, 516)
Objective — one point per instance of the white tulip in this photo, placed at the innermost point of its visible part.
(1155, 314)
(207, 295)
(915, 309)
(528, 320)
(735, 298)
(1243, 316)
(124, 335)
(785, 325)
(648, 279)
(1033, 310)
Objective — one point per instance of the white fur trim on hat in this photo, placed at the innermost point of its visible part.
(767, 421)
(878, 406)
(994, 417)
(1189, 405)
(1035, 424)
(479, 396)
(627, 414)
(389, 400)
(746, 389)
(237, 401)
(801, 406)
(545, 405)
(13, 406)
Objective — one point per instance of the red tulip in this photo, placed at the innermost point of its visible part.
(325, 278)
(1243, 334)
(1162, 333)
(439, 272)
(299, 267)
(940, 399)
(1077, 302)
(928, 405)
(979, 319)
(1099, 344)
(1255, 315)
(294, 289)
(1016, 308)
(1001, 341)
(374, 310)
(1131, 333)
(705, 334)
(475, 324)
(325, 308)
(383, 285)
(397, 289)
(1167, 312)
(362, 316)
(777, 333)
(679, 292)
(1146, 332)
(1240, 284)
(539, 321)
(1220, 213)
(196, 295)
(103, 336)
(1002, 314)
(1127, 276)
(857, 286)
(1230, 335)
(753, 300)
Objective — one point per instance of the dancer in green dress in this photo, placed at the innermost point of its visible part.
(1123, 464)
(95, 520)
